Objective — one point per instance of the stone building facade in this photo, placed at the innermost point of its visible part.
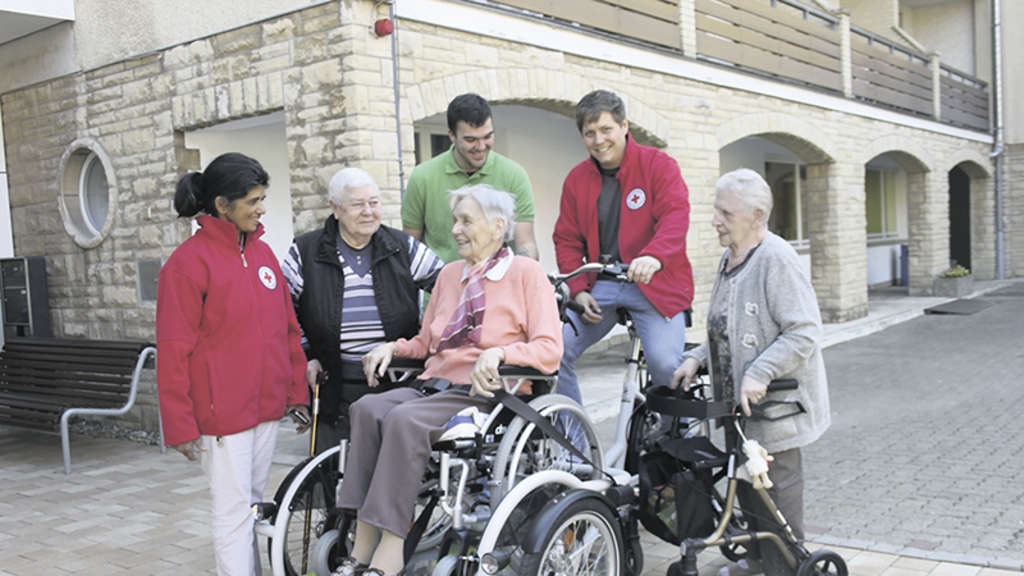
(332, 79)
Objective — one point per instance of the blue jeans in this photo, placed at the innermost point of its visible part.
(663, 339)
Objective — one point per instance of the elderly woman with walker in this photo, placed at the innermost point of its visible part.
(763, 324)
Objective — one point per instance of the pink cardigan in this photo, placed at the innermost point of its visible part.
(521, 317)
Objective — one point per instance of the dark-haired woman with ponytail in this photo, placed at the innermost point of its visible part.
(230, 361)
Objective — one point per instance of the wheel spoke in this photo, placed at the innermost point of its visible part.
(581, 549)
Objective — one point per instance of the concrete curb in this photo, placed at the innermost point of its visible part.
(919, 553)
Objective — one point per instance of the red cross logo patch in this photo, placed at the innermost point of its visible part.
(636, 199)
(267, 277)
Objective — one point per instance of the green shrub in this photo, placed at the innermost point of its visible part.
(957, 271)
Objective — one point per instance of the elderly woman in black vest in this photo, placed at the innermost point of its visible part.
(355, 284)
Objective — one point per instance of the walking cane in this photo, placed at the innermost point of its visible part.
(320, 379)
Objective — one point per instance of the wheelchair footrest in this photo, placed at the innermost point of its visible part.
(455, 446)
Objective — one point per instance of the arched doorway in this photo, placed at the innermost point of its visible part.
(959, 217)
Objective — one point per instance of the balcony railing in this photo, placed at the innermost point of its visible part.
(786, 41)
(654, 21)
(888, 74)
(964, 99)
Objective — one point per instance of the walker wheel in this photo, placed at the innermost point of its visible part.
(823, 563)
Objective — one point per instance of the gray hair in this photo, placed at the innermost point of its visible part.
(749, 187)
(348, 178)
(495, 204)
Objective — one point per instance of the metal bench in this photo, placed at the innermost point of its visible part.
(46, 381)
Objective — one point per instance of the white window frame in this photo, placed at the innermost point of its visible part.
(84, 192)
(801, 242)
(887, 189)
(72, 197)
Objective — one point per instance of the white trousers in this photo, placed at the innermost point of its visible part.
(237, 467)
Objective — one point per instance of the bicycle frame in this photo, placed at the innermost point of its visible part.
(615, 457)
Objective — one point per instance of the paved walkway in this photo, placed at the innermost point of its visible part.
(920, 472)
(920, 475)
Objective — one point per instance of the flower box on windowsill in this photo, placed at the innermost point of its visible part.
(954, 287)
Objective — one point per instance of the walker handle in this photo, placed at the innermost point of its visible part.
(784, 384)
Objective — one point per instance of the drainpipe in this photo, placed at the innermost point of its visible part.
(6, 231)
(998, 152)
(397, 96)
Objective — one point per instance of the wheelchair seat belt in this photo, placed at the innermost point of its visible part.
(528, 413)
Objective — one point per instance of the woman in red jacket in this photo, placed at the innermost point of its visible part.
(230, 361)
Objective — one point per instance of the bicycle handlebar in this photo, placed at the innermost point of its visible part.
(613, 270)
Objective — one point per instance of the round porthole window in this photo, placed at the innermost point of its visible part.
(87, 192)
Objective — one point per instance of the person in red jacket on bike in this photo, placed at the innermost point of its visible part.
(627, 203)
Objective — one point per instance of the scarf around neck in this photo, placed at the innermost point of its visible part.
(467, 320)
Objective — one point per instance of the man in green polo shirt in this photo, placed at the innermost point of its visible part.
(426, 214)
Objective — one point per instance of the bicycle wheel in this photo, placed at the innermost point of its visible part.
(308, 515)
(518, 526)
(525, 449)
(584, 539)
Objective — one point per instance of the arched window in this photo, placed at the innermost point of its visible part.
(94, 192)
(87, 192)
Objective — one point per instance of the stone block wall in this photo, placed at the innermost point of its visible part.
(333, 80)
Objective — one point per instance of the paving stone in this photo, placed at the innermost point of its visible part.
(921, 413)
(947, 569)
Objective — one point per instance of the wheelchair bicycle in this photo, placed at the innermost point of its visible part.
(464, 481)
(591, 526)
(520, 498)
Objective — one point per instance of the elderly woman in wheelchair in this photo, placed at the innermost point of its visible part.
(488, 309)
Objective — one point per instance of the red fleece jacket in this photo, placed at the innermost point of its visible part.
(654, 219)
(229, 356)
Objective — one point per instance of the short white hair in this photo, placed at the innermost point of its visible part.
(495, 204)
(749, 187)
(345, 178)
